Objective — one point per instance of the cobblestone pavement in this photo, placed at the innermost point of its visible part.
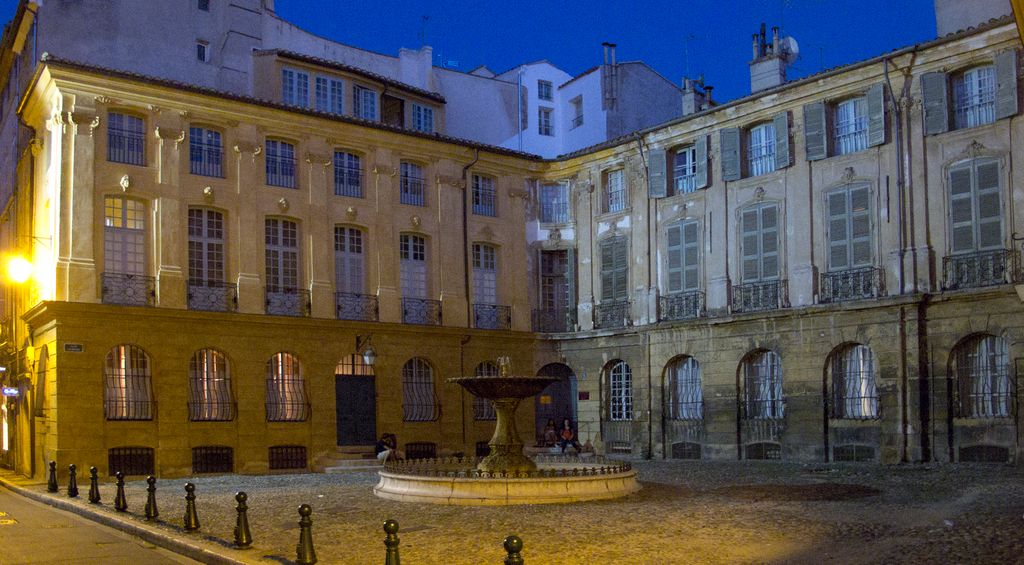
(687, 512)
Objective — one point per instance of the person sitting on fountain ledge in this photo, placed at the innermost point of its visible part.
(387, 448)
(568, 437)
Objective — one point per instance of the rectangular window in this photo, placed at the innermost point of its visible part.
(280, 164)
(554, 280)
(684, 172)
(614, 269)
(554, 203)
(329, 92)
(124, 239)
(544, 120)
(851, 126)
(203, 51)
(205, 246)
(204, 5)
(412, 186)
(348, 175)
(485, 274)
(412, 252)
(761, 149)
(683, 257)
(282, 255)
(205, 152)
(364, 103)
(349, 273)
(544, 90)
(849, 228)
(759, 243)
(974, 97)
(126, 139)
(484, 196)
(422, 118)
(295, 88)
(577, 112)
(975, 207)
(615, 191)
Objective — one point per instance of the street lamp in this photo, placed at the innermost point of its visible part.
(19, 269)
(364, 347)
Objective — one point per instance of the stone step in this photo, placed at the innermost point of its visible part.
(353, 465)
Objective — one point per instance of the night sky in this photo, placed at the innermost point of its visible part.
(676, 38)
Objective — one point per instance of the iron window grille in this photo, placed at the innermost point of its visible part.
(280, 161)
(421, 311)
(760, 296)
(283, 457)
(854, 393)
(129, 384)
(686, 400)
(620, 384)
(209, 380)
(212, 296)
(984, 382)
(286, 390)
(126, 139)
(554, 320)
(761, 149)
(205, 152)
(762, 387)
(974, 97)
(213, 459)
(492, 317)
(282, 301)
(577, 121)
(128, 289)
(685, 170)
(412, 185)
(981, 269)
(352, 306)
(131, 461)
(484, 196)
(611, 315)
(420, 450)
(482, 408)
(348, 175)
(851, 128)
(554, 203)
(681, 306)
(419, 403)
(851, 284)
(615, 191)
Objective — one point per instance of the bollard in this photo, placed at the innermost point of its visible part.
(391, 542)
(513, 546)
(94, 486)
(305, 554)
(191, 518)
(120, 502)
(243, 538)
(151, 511)
(51, 482)
(72, 482)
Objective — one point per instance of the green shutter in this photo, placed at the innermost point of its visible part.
(936, 102)
(730, 141)
(657, 168)
(690, 255)
(1006, 84)
(876, 115)
(701, 150)
(781, 122)
(961, 210)
(814, 131)
(675, 258)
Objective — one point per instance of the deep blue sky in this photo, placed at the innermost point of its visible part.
(569, 33)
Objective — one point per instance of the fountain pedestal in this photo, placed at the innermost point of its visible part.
(506, 447)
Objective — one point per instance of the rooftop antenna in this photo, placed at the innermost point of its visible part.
(686, 50)
(423, 29)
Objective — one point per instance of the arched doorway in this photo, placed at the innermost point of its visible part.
(558, 400)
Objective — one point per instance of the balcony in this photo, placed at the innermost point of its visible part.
(129, 289)
(352, 306)
(421, 311)
(288, 301)
(556, 320)
(611, 315)
(681, 306)
(759, 296)
(577, 121)
(852, 284)
(492, 317)
(985, 268)
(212, 296)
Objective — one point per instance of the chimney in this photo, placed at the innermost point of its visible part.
(768, 68)
(694, 95)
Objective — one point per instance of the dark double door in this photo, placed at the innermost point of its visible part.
(356, 402)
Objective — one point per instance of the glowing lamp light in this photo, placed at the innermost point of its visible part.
(19, 269)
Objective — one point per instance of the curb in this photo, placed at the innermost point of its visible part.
(146, 533)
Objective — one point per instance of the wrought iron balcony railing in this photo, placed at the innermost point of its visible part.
(492, 317)
(554, 212)
(611, 315)
(288, 301)
(681, 306)
(212, 296)
(352, 306)
(985, 268)
(556, 320)
(760, 296)
(852, 284)
(421, 311)
(129, 289)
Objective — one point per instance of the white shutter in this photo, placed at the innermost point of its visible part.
(781, 123)
(814, 131)
(701, 150)
(961, 210)
(1006, 84)
(934, 92)
(657, 186)
(730, 149)
(876, 115)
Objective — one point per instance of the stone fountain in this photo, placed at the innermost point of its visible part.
(506, 475)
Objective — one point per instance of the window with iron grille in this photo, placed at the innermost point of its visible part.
(482, 408)
(684, 172)
(286, 389)
(131, 461)
(544, 89)
(412, 251)
(615, 191)
(205, 152)
(283, 457)
(280, 164)
(761, 149)
(686, 400)
(485, 274)
(349, 272)
(353, 366)
(328, 93)
(975, 206)
(418, 401)
(412, 185)
(295, 88)
(762, 386)
(849, 228)
(484, 196)
(205, 246)
(854, 394)
(364, 103)
(209, 380)
(851, 129)
(984, 382)
(554, 203)
(422, 118)
(124, 235)
(282, 255)
(420, 450)
(126, 139)
(620, 385)
(974, 97)
(213, 459)
(348, 174)
(683, 257)
(759, 243)
(544, 121)
(128, 394)
(577, 112)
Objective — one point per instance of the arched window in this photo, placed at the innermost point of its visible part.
(686, 401)
(286, 391)
(982, 368)
(482, 408)
(418, 401)
(762, 386)
(353, 366)
(128, 390)
(854, 393)
(209, 382)
(620, 386)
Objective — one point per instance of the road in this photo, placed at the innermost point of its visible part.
(32, 532)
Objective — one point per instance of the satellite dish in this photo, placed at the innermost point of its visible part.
(790, 49)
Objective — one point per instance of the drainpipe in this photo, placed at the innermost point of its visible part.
(519, 104)
(898, 112)
(462, 390)
(465, 236)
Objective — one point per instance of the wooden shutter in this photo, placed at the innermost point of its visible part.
(961, 210)
(570, 280)
(989, 208)
(838, 236)
(730, 141)
(691, 256)
(814, 131)
(1006, 84)
(876, 115)
(781, 122)
(769, 217)
(701, 150)
(657, 184)
(620, 254)
(675, 258)
(936, 102)
(860, 226)
(607, 271)
(750, 248)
